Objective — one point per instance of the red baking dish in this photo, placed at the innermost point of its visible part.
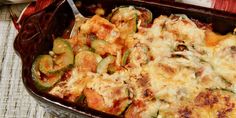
(38, 31)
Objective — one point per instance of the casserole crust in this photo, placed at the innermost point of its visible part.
(168, 68)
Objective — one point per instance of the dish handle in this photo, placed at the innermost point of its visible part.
(33, 37)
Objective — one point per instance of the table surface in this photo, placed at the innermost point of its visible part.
(15, 102)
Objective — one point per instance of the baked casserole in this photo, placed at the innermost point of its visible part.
(129, 64)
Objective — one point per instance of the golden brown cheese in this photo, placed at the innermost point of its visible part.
(211, 103)
(102, 28)
(71, 88)
(174, 70)
(223, 61)
(112, 91)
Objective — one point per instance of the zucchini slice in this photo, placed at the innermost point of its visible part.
(122, 104)
(40, 72)
(134, 110)
(145, 16)
(125, 19)
(87, 60)
(100, 46)
(125, 57)
(94, 100)
(104, 63)
(132, 25)
(112, 68)
(83, 48)
(222, 89)
(46, 64)
(119, 106)
(64, 57)
(80, 99)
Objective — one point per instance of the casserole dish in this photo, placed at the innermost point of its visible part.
(39, 30)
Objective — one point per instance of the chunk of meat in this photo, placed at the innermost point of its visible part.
(102, 28)
(213, 39)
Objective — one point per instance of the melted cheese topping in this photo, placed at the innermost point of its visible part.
(110, 87)
(171, 71)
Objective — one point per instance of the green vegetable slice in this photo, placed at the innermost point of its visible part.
(132, 26)
(99, 46)
(111, 69)
(82, 57)
(123, 106)
(47, 70)
(125, 57)
(126, 19)
(64, 57)
(222, 89)
(104, 63)
(46, 64)
(83, 48)
(145, 16)
(80, 99)
(125, 103)
(87, 61)
(40, 72)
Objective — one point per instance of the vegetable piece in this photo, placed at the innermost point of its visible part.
(100, 46)
(92, 37)
(125, 57)
(112, 68)
(64, 57)
(46, 64)
(83, 54)
(126, 19)
(87, 60)
(122, 104)
(104, 63)
(80, 99)
(227, 90)
(132, 24)
(94, 100)
(223, 89)
(40, 72)
(83, 48)
(135, 109)
(145, 16)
